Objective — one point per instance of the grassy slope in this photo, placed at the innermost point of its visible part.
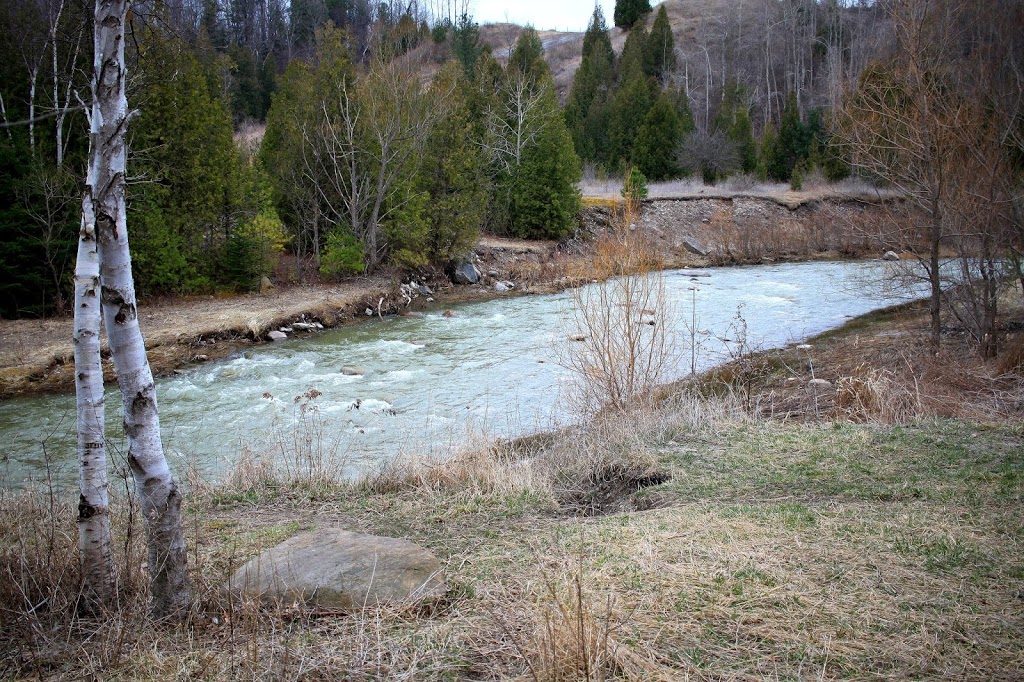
(777, 550)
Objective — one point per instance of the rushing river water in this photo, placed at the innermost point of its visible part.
(430, 383)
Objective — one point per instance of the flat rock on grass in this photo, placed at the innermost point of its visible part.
(339, 569)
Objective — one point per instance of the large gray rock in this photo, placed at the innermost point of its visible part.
(339, 569)
(277, 335)
(890, 255)
(466, 273)
(694, 246)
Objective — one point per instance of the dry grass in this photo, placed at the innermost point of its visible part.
(688, 539)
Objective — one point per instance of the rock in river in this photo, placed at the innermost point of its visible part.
(335, 568)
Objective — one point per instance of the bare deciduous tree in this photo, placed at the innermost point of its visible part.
(364, 143)
(932, 120)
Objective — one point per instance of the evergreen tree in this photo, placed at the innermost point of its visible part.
(793, 139)
(466, 43)
(628, 111)
(596, 43)
(542, 193)
(659, 50)
(656, 141)
(627, 12)
(180, 215)
(682, 106)
(453, 174)
(587, 107)
(528, 55)
(633, 52)
(770, 165)
(741, 134)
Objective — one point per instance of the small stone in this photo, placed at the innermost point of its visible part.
(890, 255)
(277, 336)
(818, 385)
(286, 330)
(501, 286)
(201, 358)
(449, 313)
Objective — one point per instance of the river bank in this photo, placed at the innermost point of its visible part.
(688, 230)
(751, 525)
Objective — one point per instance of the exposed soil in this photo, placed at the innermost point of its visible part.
(36, 355)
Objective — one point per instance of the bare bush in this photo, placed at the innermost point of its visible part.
(621, 344)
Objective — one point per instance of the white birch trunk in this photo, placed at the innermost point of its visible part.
(94, 544)
(159, 497)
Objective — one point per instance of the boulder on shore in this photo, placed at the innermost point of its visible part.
(466, 273)
(335, 568)
(277, 335)
(890, 255)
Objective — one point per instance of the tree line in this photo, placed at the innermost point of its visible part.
(363, 164)
(634, 110)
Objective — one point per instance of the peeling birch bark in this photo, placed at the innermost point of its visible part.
(94, 544)
(159, 497)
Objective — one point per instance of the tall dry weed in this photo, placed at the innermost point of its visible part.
(872, 394)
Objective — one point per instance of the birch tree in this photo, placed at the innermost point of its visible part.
(104, 242)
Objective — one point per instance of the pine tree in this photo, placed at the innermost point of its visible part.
(543, 197)
(528, 55)
(792, 141)
(628, 110)
(627, 12)
(741, 134)
(656, 141)
(659, 50)
(586, 110)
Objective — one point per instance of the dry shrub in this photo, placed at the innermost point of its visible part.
(872, 394)
(1011, 360)
(41, 630)
(620, 345)
(483, 470)
(571, 635)
(302, 455)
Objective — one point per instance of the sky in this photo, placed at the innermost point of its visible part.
(563, 15)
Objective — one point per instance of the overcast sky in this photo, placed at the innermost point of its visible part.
(563, 15)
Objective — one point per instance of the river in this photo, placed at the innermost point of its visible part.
(432, 383)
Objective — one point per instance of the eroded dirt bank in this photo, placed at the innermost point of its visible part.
(36, 355)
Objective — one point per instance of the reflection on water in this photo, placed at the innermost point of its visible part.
(430, 383)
